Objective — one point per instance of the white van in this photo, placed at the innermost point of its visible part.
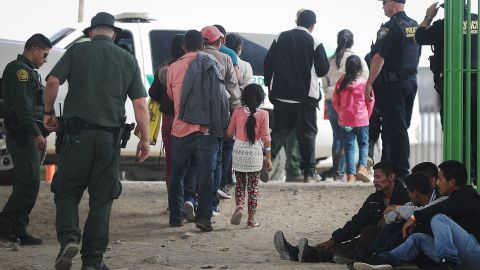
(150, 43)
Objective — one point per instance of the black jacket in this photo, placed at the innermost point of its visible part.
(293, 65)
(158, 92)
(463, 207)
(370, 213)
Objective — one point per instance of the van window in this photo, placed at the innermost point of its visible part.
(160, 41)
(125, 41)
(255, 47)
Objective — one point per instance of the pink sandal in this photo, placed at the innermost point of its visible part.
(252, 224)
(237, 216)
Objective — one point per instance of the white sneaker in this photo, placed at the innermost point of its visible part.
(223, 195)
(365, 266)
(189, 211)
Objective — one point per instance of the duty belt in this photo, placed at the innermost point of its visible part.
(396, 76)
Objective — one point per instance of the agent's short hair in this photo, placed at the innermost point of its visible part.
(453, 169)
(428, 168)
(386, 167)
(193, 40)
(418, 182)
(38, 41)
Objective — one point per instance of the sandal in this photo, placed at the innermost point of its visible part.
(252, 224)
(237, 216)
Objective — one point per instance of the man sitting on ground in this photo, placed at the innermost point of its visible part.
(421, 190)
(388, 191)
(454, 222)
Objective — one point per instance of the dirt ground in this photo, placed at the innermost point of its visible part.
(140, 237)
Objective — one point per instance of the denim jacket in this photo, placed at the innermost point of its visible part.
(203, 99)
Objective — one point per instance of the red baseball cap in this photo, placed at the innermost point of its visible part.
(211, 33)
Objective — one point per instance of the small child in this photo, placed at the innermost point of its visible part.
(250, 126)
(354, 110)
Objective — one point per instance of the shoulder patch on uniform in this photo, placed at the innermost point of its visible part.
(22, 75)
(382, 33)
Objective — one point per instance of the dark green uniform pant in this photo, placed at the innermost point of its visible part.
(27, 160)
(293, 156)
(88, 160)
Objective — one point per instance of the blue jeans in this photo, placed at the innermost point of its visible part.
(338, 154)
(217, 175)
(203, 150)
(227, 150)
(450, 242)
(348, 138)
(190, 184)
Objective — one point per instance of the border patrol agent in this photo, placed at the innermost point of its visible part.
(22, 92)
(393, 76)
(429, 33)
(100, 75)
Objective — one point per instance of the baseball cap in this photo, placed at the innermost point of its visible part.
(211, 33)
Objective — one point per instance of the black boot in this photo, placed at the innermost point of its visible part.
(312, 254)
(29, 240)
(285, 249)
(311, 175)
(8, 236)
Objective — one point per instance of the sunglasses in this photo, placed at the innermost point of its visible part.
(45, 54)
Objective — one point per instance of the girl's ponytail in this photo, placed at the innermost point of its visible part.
(353, 67)
(252, 97)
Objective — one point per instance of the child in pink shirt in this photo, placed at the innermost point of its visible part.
(250, 126)
(354, 112)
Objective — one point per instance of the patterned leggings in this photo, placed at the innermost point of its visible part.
(250, 180)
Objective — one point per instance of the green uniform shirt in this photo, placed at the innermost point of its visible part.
(100, 76)
(23, 95)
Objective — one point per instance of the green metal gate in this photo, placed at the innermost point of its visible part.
(457, 95)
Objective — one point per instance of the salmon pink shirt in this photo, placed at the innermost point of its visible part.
(238, 120)
(175, 74)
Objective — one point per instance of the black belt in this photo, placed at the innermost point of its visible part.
(97, 127)
(397, 76)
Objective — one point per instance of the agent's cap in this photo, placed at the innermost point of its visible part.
(104, 19)
(211, 33)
